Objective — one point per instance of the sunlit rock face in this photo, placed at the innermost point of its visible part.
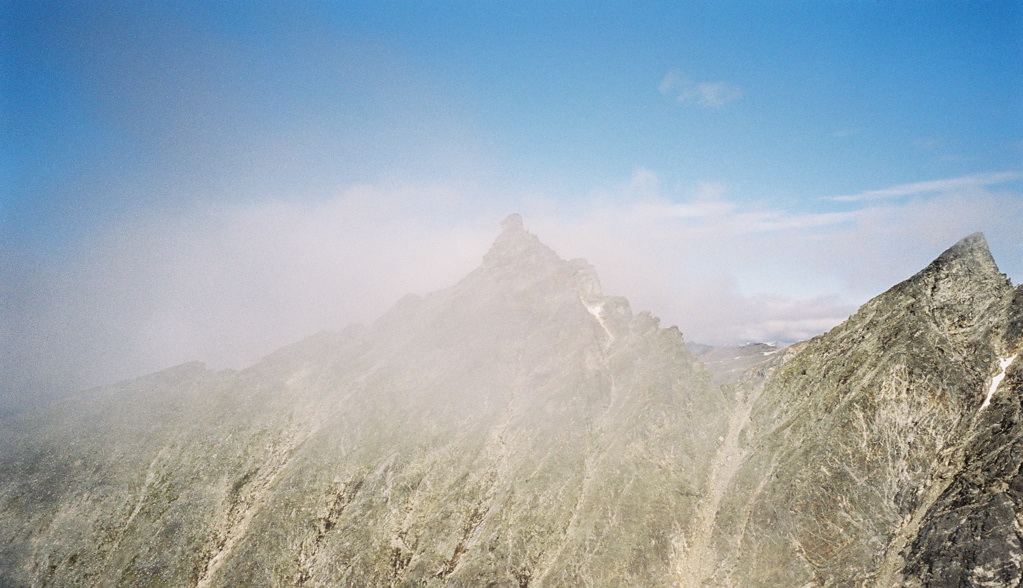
(522, 429)
(971, 535)
(854, 438)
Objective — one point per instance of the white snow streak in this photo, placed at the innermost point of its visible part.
(596, 311)
(997, 380)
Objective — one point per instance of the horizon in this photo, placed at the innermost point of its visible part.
(196, 182)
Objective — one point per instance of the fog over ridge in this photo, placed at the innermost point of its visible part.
(228, 283)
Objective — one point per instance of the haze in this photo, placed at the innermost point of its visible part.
(190, 181)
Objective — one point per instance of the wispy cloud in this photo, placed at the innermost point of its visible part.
(781, 221)
(931, 187)
(728, 272)
(683, 90)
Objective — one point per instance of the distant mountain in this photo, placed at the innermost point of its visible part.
(728, 363)
(522, 429)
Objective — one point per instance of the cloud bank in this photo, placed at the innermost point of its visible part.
(227, 284)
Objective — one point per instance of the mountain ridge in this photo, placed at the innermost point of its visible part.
(520, 428)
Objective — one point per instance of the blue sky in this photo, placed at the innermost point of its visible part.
(783, 160)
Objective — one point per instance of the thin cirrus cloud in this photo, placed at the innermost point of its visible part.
(931, 187)
(684, 90)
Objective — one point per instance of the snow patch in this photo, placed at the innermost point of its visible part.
(1004, 364)
(597, 310)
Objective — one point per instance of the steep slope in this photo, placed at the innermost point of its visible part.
(854, 437)
(522, 429)
(973, 533)
(517, 429)
(143, 482)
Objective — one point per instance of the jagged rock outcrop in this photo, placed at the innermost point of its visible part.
(522, 429)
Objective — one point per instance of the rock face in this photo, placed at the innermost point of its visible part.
(522, 429)
(971, 535)
(855, 438)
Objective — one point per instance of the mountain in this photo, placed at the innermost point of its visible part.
(729, 363)
(520, 428)
(853, 439)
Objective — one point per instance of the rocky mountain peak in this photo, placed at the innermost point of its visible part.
(969, 243)
(969, 260)
(513, 222)
(516, 246)
(519, 261)
(962, 289)
(972, 251)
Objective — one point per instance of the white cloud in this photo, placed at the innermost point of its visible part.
(781, 221)
(931, 186)
(717, 94)
(696, 209)
(644, 183)
(726, 272)
(710, 191)
(228, 284)
(683, 90)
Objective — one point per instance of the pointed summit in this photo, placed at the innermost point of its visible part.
(517, 248)
(512, 222)
(959, 272)
(968, 243)
(970, 254)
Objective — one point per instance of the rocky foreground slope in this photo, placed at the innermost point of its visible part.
(522, 429)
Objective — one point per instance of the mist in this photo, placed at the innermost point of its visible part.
(228, 284)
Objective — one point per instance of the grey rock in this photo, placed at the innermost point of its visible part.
(971, 535)
(854, 435)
